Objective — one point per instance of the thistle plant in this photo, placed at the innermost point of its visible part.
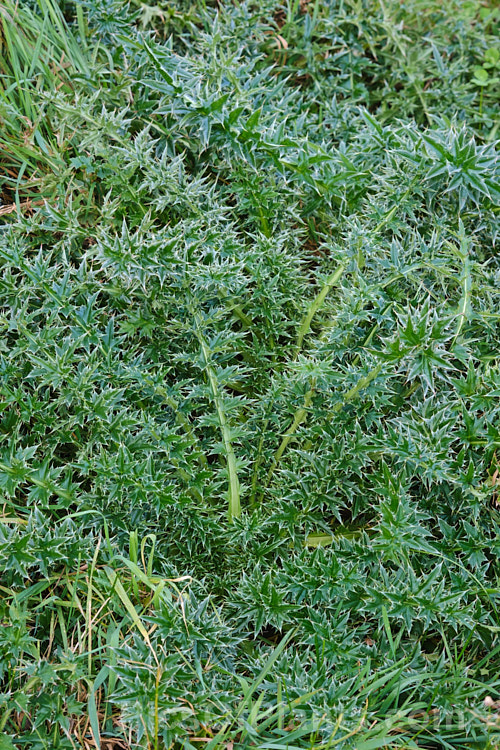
(249, 375)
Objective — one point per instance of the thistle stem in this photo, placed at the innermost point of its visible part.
(234, 502)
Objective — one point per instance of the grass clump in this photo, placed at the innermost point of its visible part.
(249, 375)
